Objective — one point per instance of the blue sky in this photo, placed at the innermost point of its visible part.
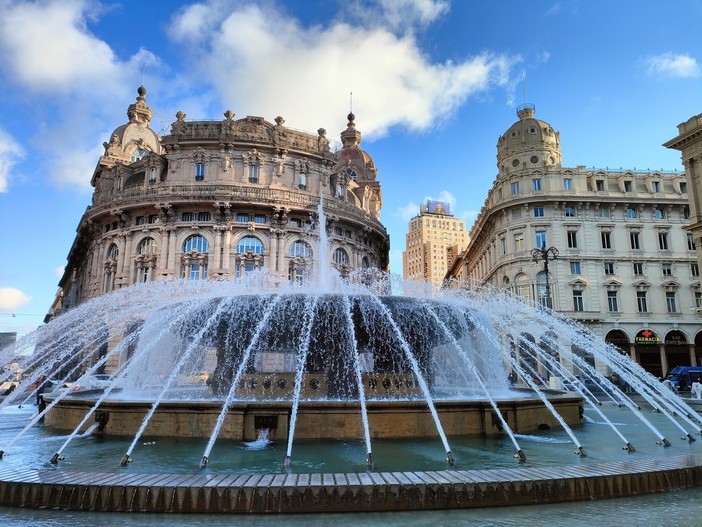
(434, 85)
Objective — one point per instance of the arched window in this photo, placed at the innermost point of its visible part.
(195, 258)
(250, 243)
(365, 263)
(300, 248)
(196, 243)
(113, 252)
(341, 257)
(147, 246)
(110, 268)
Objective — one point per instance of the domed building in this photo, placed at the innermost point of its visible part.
(215, 200)
(626, 264)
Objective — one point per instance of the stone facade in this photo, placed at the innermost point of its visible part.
(434, 239)
(626, 267)
(219, 199)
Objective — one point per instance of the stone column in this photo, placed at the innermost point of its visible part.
(163, 253)
(226, 256)
(693, 355)
(217, 260)
(273, 251)
(172, 263)
(664, 358)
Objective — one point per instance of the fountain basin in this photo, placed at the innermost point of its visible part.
(316, 419)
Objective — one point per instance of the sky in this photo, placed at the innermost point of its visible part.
(434, 83)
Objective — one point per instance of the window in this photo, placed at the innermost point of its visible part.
(608, 268)
(694, 270)
(603, 212)
(203, 216)
(572, 239)
(670, 302)
(538, 212)
(540, 239)
(575, 268)
(249, 243)
(195, 243)
(683, 187)
(599, 185)
(690, 242)
(147, 246)
(113, 253)
(152, 176)
(259, 218)
(606, 240)
(242, 217)
(656, 186)
(140, 220)
(519, 244)
(663, 241)
(199, 171)
(302, 181)
(634, 240)
(300, 248)
(686, 213)
(341, 257)
(536, 185)
(698, 299)
(253, 173)
(667, 269)
(569, 212)
(503, 246)
(628, 186)
(641, 303)
(631, 213)
(638, 269)
(152, 218)
(659, 214)
(515, 187)
(612, 301)
(567, 183)
(340, 191)
(186, 216)
(578, 301)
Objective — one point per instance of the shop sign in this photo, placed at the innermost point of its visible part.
(675, 339)
(646, 337)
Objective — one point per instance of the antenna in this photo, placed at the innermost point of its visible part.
(524, 87)
(143, 69)
(350, 102)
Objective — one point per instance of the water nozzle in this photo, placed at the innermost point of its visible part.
(521, 456)
(370, 461)
(449, 459)
(204, 461)
(125, 460)
(286, 464)
(629, 447)
(581, 452)
(55, 458)
(690, 438)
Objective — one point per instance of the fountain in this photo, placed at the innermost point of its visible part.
(347, 397)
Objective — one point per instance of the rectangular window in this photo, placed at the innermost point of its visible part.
(628, 186)
(515, 187)
(694, 270)
(690, 242)
(253, 173)
(683, 187)
(540, 239)
(259, 218)
(603, 212)
(659, 214)
(631, 213)
(242, 217)
(599, 184)
(578, 301)
(519, 244)
(606, 240)
(608, 268)
(186, 216)
(503, 246)
(152, 218)
(670, 303)
(634, 239)
(667, 269)
(663, 241)
(612, 301)
(572, 239)
(199, 171)
(538, 212)
(536, 185)
(698, 299)
(641, 303)
(638, 269)
(141, 220)
(656, 186)
(567, 183)
(203, 216)
(686, 213)
(152, 176)
(569, 212)
(575, 268)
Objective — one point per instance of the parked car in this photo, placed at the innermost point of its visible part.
(682, 377)
(98, 381)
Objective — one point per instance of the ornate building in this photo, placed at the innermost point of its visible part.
(434, 239)
(626, 266)
(218, 199)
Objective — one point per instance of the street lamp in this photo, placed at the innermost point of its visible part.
(545, 254)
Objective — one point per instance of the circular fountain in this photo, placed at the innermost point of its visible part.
(200, 368)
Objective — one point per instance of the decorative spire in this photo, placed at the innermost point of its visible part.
(139, 112)
(351, 137)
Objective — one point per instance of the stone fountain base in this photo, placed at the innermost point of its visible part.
(315, 419)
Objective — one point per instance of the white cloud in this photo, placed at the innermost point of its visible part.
(10, 153)
(672, 65)
(59, 271)
(407, 212)
(399, 15)
(554, 9)
(11, 298)
(306, 73)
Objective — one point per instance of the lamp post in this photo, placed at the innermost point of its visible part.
(545, 254)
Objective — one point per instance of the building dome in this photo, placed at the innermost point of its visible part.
(528, 143)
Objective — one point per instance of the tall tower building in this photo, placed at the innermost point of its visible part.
(434, 239)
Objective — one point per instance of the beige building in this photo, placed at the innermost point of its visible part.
(434, 239)
(626, 266)
(219, 199)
